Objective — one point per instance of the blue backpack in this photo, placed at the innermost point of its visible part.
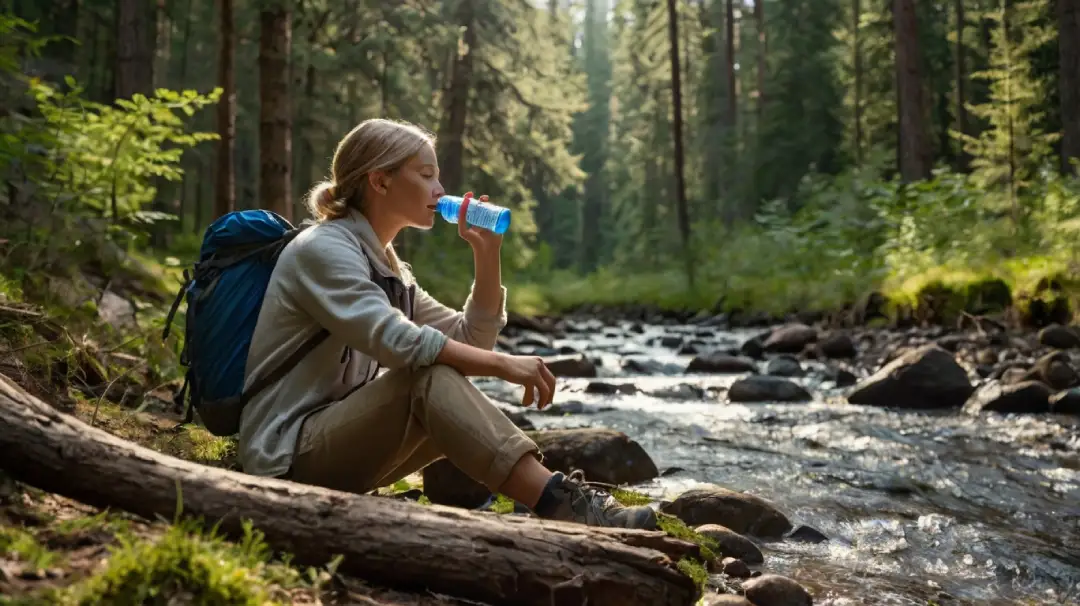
(224, 296)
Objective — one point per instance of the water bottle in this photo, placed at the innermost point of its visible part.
(480, 214)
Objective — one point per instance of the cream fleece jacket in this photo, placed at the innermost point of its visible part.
(323, 279)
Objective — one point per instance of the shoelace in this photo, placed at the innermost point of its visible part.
(576, 485)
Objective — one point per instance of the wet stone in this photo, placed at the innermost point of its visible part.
(764, 388)
(732, 543)
(807, 534)
(776, 590)
(738, 511)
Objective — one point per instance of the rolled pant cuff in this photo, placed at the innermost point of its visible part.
(511, 451)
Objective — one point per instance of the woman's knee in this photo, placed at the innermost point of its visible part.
(437, 377)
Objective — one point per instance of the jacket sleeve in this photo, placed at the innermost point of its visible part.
(471, 325)
(330, 278)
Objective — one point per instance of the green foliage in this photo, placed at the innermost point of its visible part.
(103, 159)
(1009, 154)
(201, 567)
(23, 546)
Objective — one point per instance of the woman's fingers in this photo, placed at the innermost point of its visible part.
(545, 395)
(462, 213)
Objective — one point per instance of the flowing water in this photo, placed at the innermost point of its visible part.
(919, 507)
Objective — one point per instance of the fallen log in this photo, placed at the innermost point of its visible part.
(473, 555)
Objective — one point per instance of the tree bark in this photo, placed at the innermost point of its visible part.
(275, 119)
(134, 52)
(225, 191)
(914, 160)
(456, 106)
(963, 160)
(677, 130)
(856, 10)
(759, 20)
(479, 556)
(1069, 51)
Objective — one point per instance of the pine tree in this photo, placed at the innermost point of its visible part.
(1007, 154)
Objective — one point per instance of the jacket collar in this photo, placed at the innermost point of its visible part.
(357, 224)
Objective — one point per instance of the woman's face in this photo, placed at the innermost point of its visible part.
(413, 190)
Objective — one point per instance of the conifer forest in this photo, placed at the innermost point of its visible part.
(806, 270)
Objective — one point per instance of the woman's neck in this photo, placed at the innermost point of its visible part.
(386, 227)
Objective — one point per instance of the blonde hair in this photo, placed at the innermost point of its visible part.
(376, 144)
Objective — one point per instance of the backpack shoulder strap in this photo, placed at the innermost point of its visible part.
(282, 369)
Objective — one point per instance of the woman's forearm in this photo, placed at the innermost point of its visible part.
(468, 360)
(487, 285)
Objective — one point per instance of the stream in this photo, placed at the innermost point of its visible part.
(919, 507)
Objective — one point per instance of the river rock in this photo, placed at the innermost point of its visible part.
(605, 455)
(754, 347)
(784, 366)
(1066, 402)
(1055, 369)
(922, 378)
(738, 511)
(1060, 337)
(726, 600)
(1026, 397)
(837, 345)
(764, 388)
(732, 543)
(722, 363)
(776, 590)
(571, 366)
(790, 338)
(735, 568)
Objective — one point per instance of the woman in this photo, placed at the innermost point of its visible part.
(329, 422)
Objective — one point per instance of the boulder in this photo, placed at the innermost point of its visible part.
(923, 378)
(738, 511)
(1059, 337)
(605, 455)
(790, 338)
(837, 345)
(732, 543)
(764, 388)
(1025, 397)
(776, 590)
(571, 366)
(721, 362)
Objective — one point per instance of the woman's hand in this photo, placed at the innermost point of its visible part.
(484, 242)
(531, 373)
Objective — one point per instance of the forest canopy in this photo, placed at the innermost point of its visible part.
(769, 155)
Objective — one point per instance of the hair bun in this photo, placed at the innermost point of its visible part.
(327, 195)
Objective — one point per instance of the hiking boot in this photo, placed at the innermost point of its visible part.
(571, 499)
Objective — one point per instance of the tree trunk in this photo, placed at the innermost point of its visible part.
(1069, 50)
(456, 107)
(134, 55)
(225, 191)
(914, 156)
(479, 556)
(961, 84)
(732, 92)
(759, 20)
(856, 10)
(677, 129)
(275, 119)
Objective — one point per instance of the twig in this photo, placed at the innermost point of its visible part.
(93, 417)
(21, 312)
(25, 347)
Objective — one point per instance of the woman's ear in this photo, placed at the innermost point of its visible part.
(379, 181)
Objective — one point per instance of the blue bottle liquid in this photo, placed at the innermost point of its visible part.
(480, 214)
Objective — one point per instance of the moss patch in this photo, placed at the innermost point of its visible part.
(198, 568)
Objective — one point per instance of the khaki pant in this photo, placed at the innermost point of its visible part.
(401, 422)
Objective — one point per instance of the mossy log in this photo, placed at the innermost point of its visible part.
(472, 555)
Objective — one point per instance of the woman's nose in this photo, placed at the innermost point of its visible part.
(438, 192)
